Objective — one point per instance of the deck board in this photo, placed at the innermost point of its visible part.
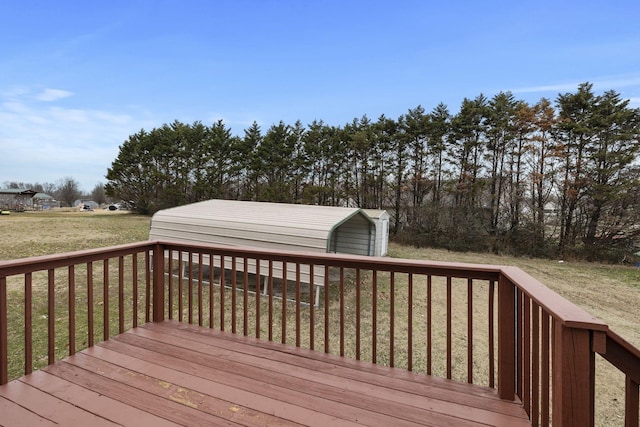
(96, 403)
(340, 368)
(171, 373)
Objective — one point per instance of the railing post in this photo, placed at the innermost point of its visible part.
(506, 339)
(573, 376)
(158, 283)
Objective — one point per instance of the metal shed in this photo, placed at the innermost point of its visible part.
(381, 219)
(269, 225)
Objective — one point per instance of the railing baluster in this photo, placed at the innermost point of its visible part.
(258, 291)
(358, 290)
(180, 297)
(147, 278)
(492, 360)
(526, 354)
(374, 316)
(298, 315)
(28, 324)
(341, 311)
(326, 309)
(233, 295)
(71, 280)
(429, 325)
(545, 391)
(190, 286)
(90, 309)
(51, 320)
(121, 294)
(519, 347)
(245, 296)
(270, 290)
(631, 402)
(392, 311)
(284, 303)
(158, 283)
(535, 363)
(211, 292)
(200, 278)
(410, 323)
(312, 305)
(134, 278)
(223, 270)
(105, 299)
(4, 346)
(170, 270)
(470, 331)
(448, 328)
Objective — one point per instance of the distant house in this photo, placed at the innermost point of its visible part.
(43, 201)
(16, 199)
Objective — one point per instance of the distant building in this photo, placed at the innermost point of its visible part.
(18, 200)
(15, 199)
(44, 201)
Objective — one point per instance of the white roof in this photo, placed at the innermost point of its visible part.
(252, 223)
(375, 213)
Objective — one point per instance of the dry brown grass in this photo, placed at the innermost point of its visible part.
(40, 233)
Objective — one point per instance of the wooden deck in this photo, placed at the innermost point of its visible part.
(171, 373)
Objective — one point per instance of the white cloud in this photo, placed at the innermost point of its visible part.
(600, 83)
(44, 143)
(49, 95)
(70, 115)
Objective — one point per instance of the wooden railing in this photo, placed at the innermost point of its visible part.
(488, 325)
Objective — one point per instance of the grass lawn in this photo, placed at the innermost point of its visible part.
(610, 292)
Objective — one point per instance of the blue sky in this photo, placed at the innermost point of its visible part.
(78, 77)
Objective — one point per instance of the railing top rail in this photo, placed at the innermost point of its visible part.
(436, 268)
(557, 306)
(42, 262)
(623, 355)
(626, 345)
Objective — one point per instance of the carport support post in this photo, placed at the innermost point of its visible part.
(158, 283)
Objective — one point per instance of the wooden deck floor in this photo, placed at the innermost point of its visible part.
(177, 374)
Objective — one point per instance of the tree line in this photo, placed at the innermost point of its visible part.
(501, 175)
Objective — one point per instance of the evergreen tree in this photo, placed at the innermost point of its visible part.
(500, 138)
(609, 157)
(575, 132)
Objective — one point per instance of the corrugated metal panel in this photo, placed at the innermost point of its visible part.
(354, 237)
(299, 225)
(268, 225)
(240, 238)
